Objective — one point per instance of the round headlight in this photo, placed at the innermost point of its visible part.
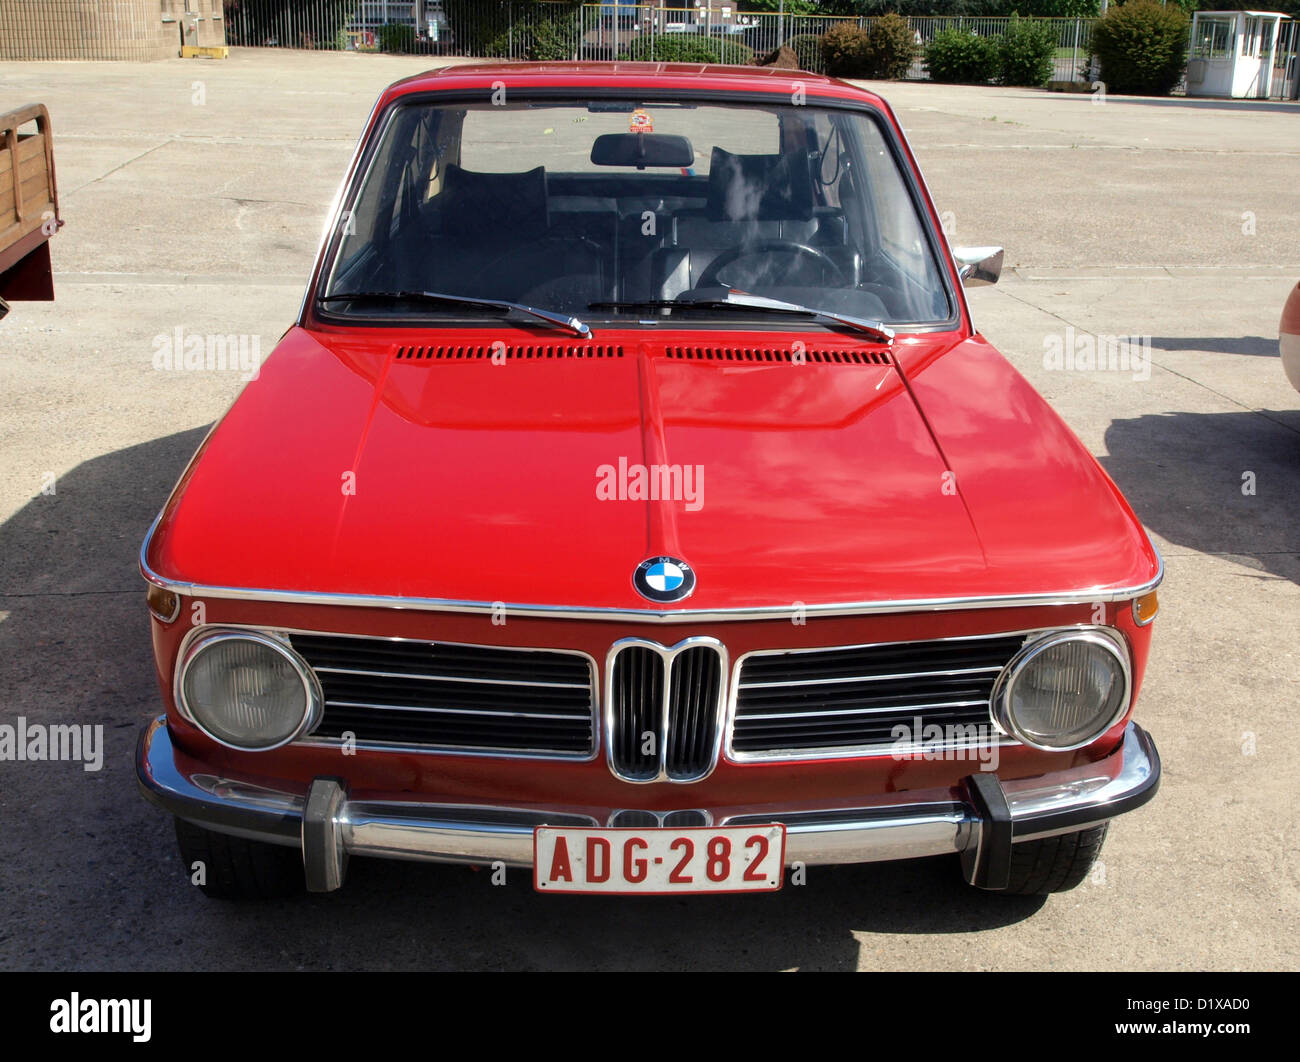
(247, 690)
(1064, 690)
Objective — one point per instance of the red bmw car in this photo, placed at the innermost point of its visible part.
(633, 501)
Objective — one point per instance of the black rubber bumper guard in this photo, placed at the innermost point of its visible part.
(988, 864)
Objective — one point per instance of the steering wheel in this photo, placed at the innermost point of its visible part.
(709, 278)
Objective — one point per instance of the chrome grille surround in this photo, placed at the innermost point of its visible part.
(989, 657)
(588, 719)
(635, 819)
(679, 693)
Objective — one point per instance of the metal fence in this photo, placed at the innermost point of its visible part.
(708, 30)
(504, 29)
(1073, 36)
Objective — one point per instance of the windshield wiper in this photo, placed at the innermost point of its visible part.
(577, 327)
(745, 300)
(875, 329)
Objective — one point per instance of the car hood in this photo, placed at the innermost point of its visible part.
(526, 475)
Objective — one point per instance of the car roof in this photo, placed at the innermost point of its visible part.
(674, 77)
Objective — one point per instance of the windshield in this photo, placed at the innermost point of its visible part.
(609, 209)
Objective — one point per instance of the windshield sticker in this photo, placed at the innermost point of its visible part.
(640, 122)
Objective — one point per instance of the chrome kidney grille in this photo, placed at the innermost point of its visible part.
(663, 709)
(803, 704)
(440, 696)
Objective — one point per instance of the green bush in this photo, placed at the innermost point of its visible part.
(545, 40)
(782, 58)
(963, 57)
(884, 51)
(807, 48)
(844, 50)
(1025, 52)
(394, 37)
(891, 47)
(545, 32)
(681, 48)
(551, 42)
(1142, 47)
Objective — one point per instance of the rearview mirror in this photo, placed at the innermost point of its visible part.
(642, 150)
(978, 266)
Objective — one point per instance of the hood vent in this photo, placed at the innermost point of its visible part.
(499, 351)
(777, 356)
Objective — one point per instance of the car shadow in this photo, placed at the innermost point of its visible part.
(1259, 346)
(1218, 483)
(446, 917)
(94, 870)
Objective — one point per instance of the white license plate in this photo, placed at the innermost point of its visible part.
(659, 861)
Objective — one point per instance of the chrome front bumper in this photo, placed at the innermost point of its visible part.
(329, 827)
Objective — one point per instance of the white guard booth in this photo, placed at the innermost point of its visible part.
(1236, 54)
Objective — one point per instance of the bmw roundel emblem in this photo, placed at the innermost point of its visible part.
(664, 579)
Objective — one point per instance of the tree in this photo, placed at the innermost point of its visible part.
(792, 7)
(1142, 47)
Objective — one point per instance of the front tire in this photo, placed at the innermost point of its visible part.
(1054, 864)
(233, 868)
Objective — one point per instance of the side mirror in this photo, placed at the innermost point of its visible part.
(978, 266)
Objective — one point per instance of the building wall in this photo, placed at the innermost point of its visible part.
(106, 29)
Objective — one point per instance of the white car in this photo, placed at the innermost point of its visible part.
(1289, 337)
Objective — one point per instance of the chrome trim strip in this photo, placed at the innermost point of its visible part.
(668, 655)
(844, 752)
(867, 678)
(332, 215)
(891, 826)
(865, 711)
(766, 612)
(405, 748)
(451, 678)
(959, 289)
(439, 750)
(457, 711)
(909, 641)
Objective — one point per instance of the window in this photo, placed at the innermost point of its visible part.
(1214, 38)
(630, 210)
(494, 139)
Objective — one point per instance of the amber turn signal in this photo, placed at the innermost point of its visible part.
(1145, 608)
(164, 604)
